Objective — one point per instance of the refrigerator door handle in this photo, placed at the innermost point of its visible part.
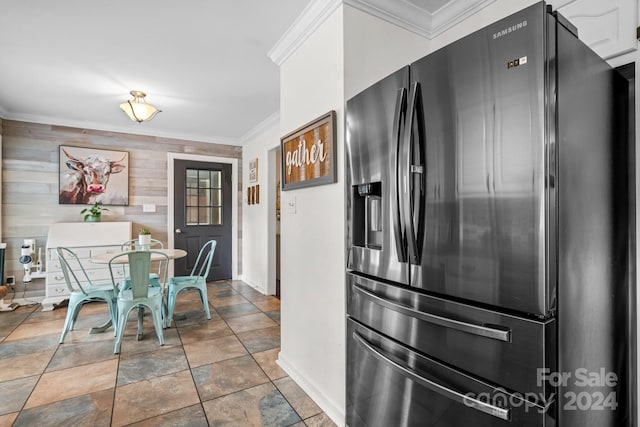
(408, 201)
(398, 118)
(470, 328)
(454, 395)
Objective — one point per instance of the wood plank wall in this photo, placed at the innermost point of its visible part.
(30, 173)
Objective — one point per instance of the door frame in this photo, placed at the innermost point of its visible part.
(234, 201)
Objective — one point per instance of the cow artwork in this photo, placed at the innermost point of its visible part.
(85, 173)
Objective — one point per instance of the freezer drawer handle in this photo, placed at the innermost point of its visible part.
(456, 396)
(470, 328)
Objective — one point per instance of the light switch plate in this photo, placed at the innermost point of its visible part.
(291, 205)
(148, 207)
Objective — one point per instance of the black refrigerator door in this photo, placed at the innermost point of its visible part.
(374, 128)
(485, 203)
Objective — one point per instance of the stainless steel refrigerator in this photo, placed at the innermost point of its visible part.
(488, 235)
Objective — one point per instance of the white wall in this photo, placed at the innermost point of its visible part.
(255, 218)
(312, 239)
(375, 48)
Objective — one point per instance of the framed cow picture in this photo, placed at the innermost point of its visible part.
(89, 175)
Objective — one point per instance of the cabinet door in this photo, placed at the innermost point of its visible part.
(607, 27)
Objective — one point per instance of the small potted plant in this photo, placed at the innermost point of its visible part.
(94, 213)
(144, 236)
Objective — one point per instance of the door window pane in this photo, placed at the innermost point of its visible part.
(216, 215)
(192, 216)
(203, 197)
(216, 197)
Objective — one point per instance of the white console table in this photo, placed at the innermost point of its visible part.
(86, 239)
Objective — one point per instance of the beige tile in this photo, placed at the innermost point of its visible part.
(204, 331)
(250, 322)
(7, 420)
(225, 301)
(253, 295)
(300, 401)
(72, 382)
(70, 355)
(269, 304)
(149, 342)
(192, 416)
(210, 351)
(87, 410)
(261, 339)
(237, 310)
(25, 365)
(46, 316)
(36, 329)
(83, 335)
(14, 393)
(258, 406)
(268, 362)
(320, 420)
(227, 376)
(153, 397)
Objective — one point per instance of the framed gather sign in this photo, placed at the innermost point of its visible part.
(309, 154)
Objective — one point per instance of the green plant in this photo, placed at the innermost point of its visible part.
(143, 231)
(94, 211)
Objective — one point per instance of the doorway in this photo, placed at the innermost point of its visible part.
(173, 201)
(273, 227)
(278, 173)
(202, 212)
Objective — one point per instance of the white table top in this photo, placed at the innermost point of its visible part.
(105, 258)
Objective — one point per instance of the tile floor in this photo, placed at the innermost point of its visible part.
(218, 372)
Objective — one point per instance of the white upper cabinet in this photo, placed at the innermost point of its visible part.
(607, 26)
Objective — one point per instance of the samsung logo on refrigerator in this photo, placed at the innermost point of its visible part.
(510, 30)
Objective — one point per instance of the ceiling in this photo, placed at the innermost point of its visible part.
(204, 63)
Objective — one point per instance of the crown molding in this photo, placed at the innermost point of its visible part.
(417, 20)
(272, 120)
(401, 13)
(55, 121)
(306, 24)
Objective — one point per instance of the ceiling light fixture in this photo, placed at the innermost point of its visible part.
(137, 108)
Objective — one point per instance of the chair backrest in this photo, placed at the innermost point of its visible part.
(133, 245)
(70, 265)
(203, 262)
(139, 267)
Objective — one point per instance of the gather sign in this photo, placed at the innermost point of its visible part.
(308, 154)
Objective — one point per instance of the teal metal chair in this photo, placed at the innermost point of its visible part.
(140, 293)
(197, 279)
(133, 245)
(83, 290)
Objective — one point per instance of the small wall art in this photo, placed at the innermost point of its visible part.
(253, 170)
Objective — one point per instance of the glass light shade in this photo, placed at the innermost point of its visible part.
(137, 109)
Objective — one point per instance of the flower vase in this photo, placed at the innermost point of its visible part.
(144, 241)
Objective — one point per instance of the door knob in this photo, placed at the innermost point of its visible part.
(178, 231)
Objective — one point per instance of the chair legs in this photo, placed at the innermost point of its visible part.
(72, 314)
(125, 310)
(73, 309)
(173, 294)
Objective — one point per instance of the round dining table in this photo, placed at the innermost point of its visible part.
(106, 257)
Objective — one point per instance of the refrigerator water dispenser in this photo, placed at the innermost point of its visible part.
(367, 215)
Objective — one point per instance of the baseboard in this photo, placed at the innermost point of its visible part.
(254, 286)
(333, 410)
(26, 300)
